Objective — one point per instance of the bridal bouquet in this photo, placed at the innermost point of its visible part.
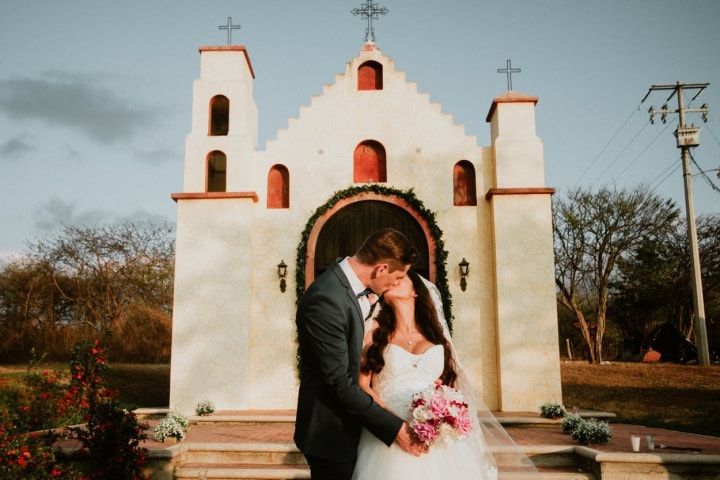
(439, 413)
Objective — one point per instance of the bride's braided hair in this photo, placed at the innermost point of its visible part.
(427, 323)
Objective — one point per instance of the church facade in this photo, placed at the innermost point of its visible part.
(254, 228)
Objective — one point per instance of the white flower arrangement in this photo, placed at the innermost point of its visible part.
(589, 432)
(173, 425)
(204, 407)
(552, 410)
(570, 422)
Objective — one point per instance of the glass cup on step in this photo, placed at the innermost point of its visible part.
(635, 442)
(650, 440)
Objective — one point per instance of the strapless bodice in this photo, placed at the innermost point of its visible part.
(406, 374)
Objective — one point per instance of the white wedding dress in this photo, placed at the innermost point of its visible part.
(404, 375)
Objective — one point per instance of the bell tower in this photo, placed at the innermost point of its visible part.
(215, 217)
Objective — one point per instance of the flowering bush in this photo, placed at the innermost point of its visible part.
(204, 407)
(552, 410)
(590, 432)
(439, 413)
(173, 425)
(112, 434)
(570, 422)
(29, 455)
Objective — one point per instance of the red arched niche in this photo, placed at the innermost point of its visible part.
(464, 193)
(370, 76)
(361, 197)
(369, 162)
(278, 187)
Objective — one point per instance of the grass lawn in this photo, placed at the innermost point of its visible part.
(680, 397)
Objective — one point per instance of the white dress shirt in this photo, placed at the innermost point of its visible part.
(356, 285)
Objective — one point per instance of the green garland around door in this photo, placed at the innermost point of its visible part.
(409, 196)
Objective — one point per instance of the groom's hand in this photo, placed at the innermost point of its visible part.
(406, 441)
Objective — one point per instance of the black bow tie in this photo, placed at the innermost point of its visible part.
(365, 293)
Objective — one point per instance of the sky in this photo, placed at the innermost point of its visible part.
(95, 95)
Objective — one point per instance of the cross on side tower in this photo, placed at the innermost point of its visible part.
(229, 27)
(371, 11)
(509, 71)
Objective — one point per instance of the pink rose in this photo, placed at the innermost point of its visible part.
(425, 432)
(463, 423)
(438, 407)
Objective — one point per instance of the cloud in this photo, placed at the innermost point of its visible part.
(157, 156)
(142, 216)
(75, 102)
(55, 213)
(15, 147)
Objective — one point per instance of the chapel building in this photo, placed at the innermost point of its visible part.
(254, 228)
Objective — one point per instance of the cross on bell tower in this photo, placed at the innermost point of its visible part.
(509, 71)
(229, 27)
(371, 11)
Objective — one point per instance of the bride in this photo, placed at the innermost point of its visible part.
(407, 348)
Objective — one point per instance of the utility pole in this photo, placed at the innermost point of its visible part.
(687, 138)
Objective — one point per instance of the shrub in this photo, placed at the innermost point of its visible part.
(570, 422)
(592, 432)
(204, 407)
(552, 410)
(30, 455)
(173, 425)
(112, 434)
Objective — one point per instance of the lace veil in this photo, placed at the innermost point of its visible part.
(492, 442)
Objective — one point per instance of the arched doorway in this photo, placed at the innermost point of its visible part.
(344, 231)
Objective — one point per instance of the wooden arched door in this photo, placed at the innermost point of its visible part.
(343, 233)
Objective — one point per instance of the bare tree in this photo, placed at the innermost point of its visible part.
(87, 280)
(593, 231)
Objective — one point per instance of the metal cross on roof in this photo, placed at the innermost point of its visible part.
(371, 11)
(509, 71)
(229, 27)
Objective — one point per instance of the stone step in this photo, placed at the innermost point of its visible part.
(266, 417)
(245, 418)
(279, 454)
(249, 471)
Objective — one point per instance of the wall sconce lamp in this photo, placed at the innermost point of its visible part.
(282, 272)
(464, 271)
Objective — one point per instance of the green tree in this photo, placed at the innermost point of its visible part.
(593, 231)
(653, 286)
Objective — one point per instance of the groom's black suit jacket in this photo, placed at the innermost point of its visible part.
(331, 406)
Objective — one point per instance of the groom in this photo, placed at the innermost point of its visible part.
(331, 406)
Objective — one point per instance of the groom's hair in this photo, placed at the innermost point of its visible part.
(387, 246)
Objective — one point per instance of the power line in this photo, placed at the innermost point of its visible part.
(643, 151)
(632, 113)
(632, 140)
(713, 134)
(670, 168)
(702, 172)
(670, 174)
